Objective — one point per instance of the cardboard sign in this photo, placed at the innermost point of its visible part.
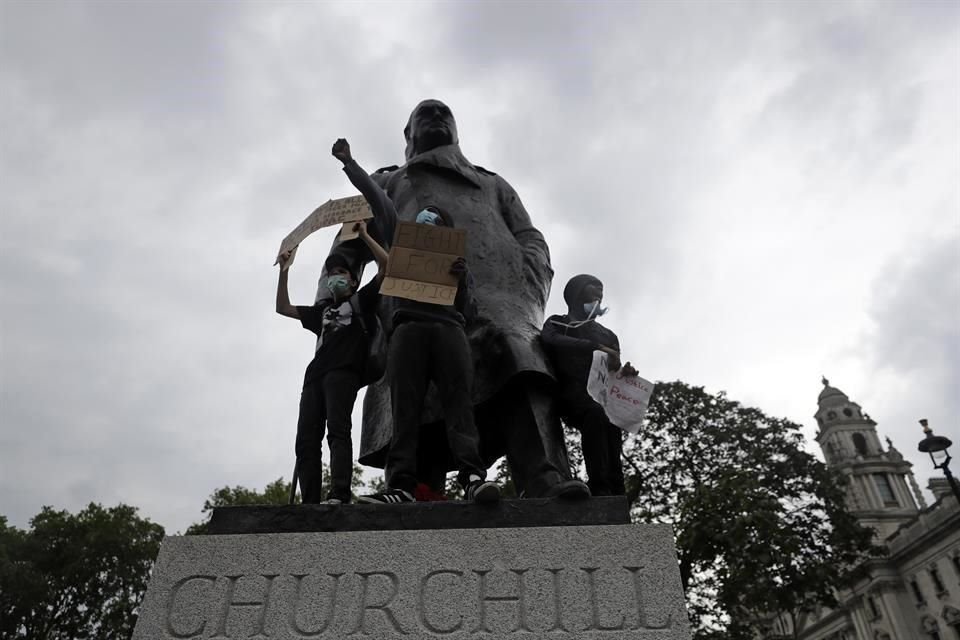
(419, 265)
(328, 214)
(347, 232)
(420, 291)
(624, 398)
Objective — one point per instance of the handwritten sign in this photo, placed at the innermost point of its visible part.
(624, 398)
(328, 214)
(419, 265)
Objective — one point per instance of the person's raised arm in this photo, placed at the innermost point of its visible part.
(380, 204)
(284, 307)
(379, 253)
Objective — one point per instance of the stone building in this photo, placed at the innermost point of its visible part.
(912, 592)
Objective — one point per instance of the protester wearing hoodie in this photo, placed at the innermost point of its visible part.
(570, 340)
(429, 344)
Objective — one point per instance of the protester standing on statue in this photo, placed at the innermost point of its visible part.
(428, 344)
(343, 321)
(510, 262)
(333, 377)
(571, 340)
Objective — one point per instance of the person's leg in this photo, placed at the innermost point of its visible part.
(433, 456)
(408, 368)
(340, 392)
(594, 440)
(309, 442)
(615, 458)
(453, 376)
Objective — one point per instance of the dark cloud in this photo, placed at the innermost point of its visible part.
(914, 344)
(737, 174)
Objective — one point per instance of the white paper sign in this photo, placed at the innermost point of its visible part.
(623, 398)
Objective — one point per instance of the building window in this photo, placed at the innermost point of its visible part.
(956, 564)
(937, 581)
(860, 443)
(930, 627)
(874, 610)
(885, 489)
(831, 415)
(917, 593)
(848, 413)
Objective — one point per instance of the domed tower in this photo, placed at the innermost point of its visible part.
(879, 480)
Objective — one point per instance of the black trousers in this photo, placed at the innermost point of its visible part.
(601, 443)
(421, 352)
(326, 405)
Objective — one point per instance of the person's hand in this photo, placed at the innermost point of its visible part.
(361, 228)
(459, 268)
(629, 371)
(285, 258)
(613, 362)
(341, 151)
(613, 358)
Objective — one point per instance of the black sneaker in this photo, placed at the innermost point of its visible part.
(483, 492)
(390, 496)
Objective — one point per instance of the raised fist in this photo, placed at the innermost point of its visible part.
(341, 150)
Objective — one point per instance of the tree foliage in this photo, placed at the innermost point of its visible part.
(760, 524)
(74, 577)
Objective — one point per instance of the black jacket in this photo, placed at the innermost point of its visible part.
(571, 348)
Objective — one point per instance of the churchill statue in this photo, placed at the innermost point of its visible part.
(510, 263)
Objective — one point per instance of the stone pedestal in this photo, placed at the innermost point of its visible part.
(523, 581)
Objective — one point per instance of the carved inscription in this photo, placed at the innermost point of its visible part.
(489, 602)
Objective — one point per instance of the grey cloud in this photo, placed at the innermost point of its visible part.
(917, 314)
(153, 171)
(100, 57)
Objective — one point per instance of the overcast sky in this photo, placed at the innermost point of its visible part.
(769, 191)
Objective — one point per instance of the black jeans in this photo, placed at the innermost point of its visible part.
(600, 441)
(421, 352)
(326, 404)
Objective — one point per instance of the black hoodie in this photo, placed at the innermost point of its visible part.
(571, 347)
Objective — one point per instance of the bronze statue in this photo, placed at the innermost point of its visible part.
(510, 262)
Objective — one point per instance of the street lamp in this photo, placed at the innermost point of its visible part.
(936, 447)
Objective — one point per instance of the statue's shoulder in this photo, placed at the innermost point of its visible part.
(484, 171)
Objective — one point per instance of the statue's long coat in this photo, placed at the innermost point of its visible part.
(510, 263)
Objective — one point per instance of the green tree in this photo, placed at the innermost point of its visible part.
(276, 492)
(760, 524)
(74, 577)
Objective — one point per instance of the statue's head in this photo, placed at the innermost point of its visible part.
(430, 125)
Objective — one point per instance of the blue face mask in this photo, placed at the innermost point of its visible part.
(338, 284)
(429, 217)
(593, 309)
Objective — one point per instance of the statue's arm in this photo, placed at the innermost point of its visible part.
(464, 302)
(536, 253)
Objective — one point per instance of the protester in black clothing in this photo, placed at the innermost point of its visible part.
(429, 344)
(332, 378)
(571, 340)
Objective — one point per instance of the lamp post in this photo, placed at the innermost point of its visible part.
(936, 447)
